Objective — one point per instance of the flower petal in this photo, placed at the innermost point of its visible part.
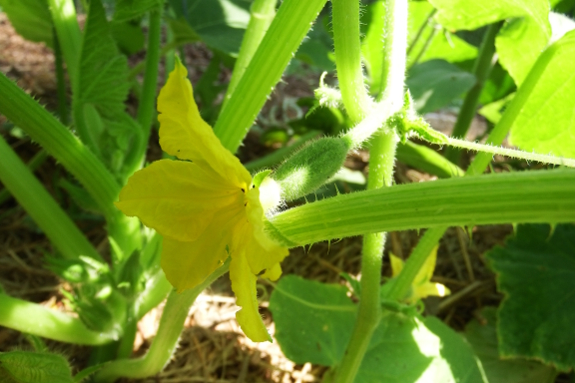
(426, 271)
(180, 199)
(187, 264)
(396, 264)
(184, 134)
(244, 286)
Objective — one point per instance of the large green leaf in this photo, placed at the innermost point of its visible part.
(546, 123)
(314, 321)
(536, 270)
(31, 19)
(131, 9)
(219, 23)
(435, 83)
(483, 339)
(520, 40)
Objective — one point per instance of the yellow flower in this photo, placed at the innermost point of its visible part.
(206, 206)
(421, 286)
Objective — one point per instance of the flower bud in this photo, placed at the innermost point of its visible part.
(311, 167)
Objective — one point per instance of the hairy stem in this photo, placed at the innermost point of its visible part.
(282, 39)
(382, 152)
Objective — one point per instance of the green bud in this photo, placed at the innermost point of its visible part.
(311, 167)
(32, 367)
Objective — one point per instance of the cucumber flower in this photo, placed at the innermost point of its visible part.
(206, 206)
(422, 286)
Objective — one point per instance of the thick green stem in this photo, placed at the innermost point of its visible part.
(382, 151)
(31, 318)
(40, 205)
(148, 96)
(262, 13)
(60, 82)
(521, 197)
(166, 340)
(345, 20)
(282, 39)
(33, 164)
(481, 70)
(59, 142)
(69, 35)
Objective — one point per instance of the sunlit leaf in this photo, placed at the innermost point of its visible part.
(314, 322)
(546, 123)
(520, 40)
(535, 270)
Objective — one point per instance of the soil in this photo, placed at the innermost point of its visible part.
(212, 348)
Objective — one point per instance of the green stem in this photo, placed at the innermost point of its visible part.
(345, 20)
(512, 153)
(262, 13)
(166, 340)
(481, 70)
(32, 318)
(59, 142)
(157, 287)
(69, 35)
(420, 31)
(536, 196)
(282, 39)
(148, 96)
(28, 191)
(382, 152)
(428, 160)
(60, 82)
(33, 164)
(425, 46)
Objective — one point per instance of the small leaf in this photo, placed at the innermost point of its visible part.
(483, 339)
(32, 367)
(435, 83)
(536, 270)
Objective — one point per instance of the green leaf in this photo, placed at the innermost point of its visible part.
(519, 42)
(546, 124)
(535, 270)
(31, 367)
(31, 19)
(128, 36)
(131, 9)
(314, 322)
(435, 83)
(483, 339)
(102, 88)
(219, 23)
